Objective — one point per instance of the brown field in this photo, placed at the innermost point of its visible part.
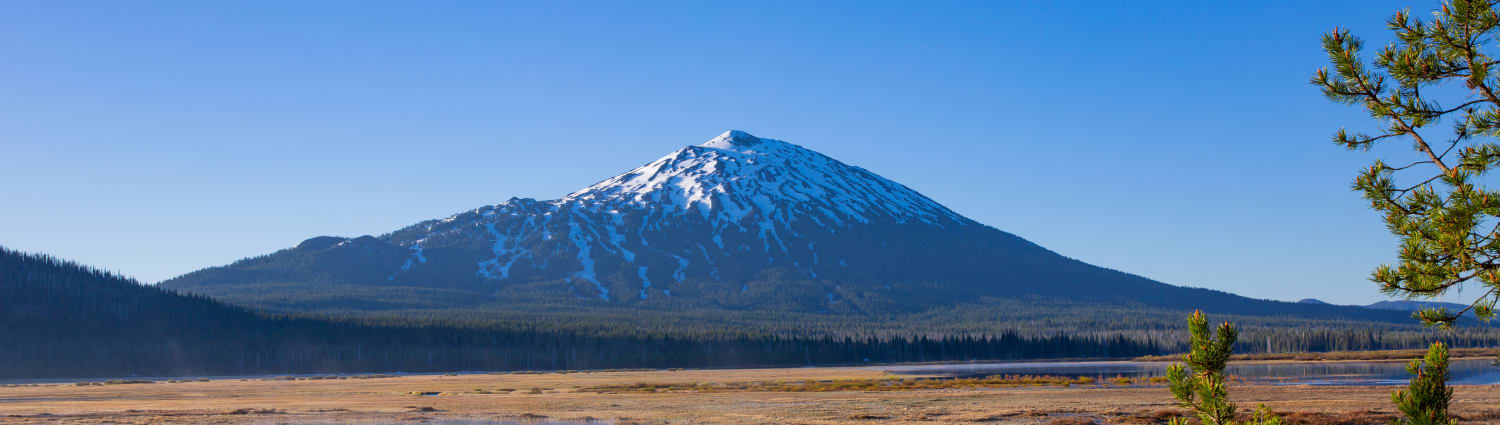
(751, 396)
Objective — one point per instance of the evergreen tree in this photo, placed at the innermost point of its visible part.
(1434, 201)
(1202, 388)
(1448, 221)
(1425, 400)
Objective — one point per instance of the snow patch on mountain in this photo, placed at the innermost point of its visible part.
(416, 256)
(583, 242)
(645, 282)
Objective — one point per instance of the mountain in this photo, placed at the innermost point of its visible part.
(1401, 305)
(739, 223)
(1411, 306)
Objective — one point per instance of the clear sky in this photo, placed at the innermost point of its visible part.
(1176, 141)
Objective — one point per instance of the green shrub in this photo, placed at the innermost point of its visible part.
(1200, 385)
(1425, 399)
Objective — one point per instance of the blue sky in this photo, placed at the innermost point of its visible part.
(1176, 141)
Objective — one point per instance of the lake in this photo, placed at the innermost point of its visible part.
(1461, 372)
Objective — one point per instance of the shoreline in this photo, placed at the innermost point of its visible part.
(1379, 356)
(1337, 356)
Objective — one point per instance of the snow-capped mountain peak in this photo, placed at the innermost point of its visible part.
(722, 211)
(737, 175)
(733, 140)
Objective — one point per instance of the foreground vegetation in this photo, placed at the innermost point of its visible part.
(1200, 385)
(1439, 206)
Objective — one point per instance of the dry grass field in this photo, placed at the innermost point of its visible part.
(750, 396)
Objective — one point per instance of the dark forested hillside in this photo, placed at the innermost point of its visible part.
(59, 319)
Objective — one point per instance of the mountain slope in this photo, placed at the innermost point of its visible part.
(61, 320)
(737, 223)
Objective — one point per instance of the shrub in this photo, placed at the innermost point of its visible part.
(1200, 385)
(1425, 399)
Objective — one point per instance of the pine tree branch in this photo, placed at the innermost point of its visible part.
(1406, 128)
(1413, 164)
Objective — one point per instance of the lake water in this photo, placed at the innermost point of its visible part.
(1461, 372)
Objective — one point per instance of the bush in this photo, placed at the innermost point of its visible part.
(1202, 388)
(1425, 400)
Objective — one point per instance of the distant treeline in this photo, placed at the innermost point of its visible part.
(59, 319)
(1301, 340)
(292, 350)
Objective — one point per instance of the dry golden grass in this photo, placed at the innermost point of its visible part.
(567, 397)
(875, 384)
(891, 383)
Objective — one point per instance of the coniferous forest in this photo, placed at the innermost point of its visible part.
(60, 319)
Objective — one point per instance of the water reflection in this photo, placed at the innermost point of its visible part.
(1461, 372)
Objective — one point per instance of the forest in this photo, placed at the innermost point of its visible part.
(61, 319)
